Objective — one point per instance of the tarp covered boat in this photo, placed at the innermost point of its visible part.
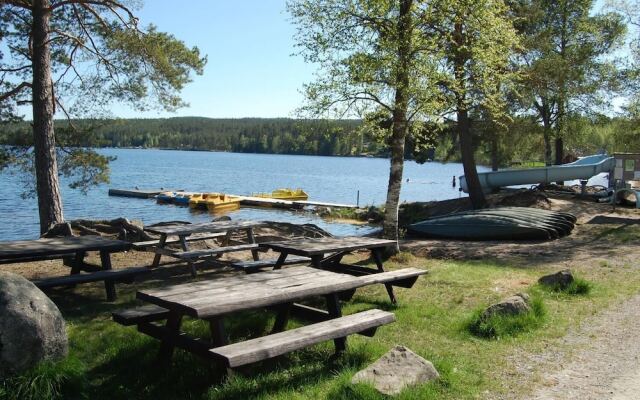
(504, 223)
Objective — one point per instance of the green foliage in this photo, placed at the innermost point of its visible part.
(48, 380)
(499, 326)
(565, 63)
(98, 55)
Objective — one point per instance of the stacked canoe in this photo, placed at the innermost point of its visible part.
(503, 223)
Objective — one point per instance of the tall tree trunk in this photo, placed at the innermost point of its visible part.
(495, 162)
(476, 194)
(44, 143)
(399, 128)
(547, 145)
(560, 127)
(545, 114)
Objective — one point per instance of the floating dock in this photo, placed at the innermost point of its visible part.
(140, 193)
(269, 202)
(244, 200)
(305, 203)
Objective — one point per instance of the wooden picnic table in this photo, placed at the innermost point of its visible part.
(73, 251)
(327, 253)
(184, 231)
(212, 300)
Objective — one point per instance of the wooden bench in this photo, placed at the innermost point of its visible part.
(250, 266)
(195, 254)
(250, 351)
(134, 316)
(153, 243)
(125, 275)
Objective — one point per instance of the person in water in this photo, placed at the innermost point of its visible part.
(453, 182)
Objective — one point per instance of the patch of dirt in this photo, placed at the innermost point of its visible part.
(603, 363)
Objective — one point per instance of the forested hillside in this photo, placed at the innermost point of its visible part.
(519, 142)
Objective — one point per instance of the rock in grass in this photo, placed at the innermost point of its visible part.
(561, 279)
(31, 326)
(397, 369)
(513, 305)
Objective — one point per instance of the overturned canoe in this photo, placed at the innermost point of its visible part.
(505, 223)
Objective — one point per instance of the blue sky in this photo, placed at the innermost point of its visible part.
(250, 73)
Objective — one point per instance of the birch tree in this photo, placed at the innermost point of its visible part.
(373, 58)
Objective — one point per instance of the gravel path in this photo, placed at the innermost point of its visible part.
(605, 364)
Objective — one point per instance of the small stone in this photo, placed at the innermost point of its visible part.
(397, 369)
(561, 279)
(31, 326)
(513, 305)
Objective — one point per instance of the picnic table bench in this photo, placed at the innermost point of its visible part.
(213, 300)
(327, 253)
(73, 250)
(185, 231)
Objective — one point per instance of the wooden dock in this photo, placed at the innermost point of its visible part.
(140, 193)
(305, 203)
(269, 202)
(245, 200)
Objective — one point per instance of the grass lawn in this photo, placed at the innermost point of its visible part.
(108, 361)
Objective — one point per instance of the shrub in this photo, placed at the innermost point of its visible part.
(497, 326)
(577, 287)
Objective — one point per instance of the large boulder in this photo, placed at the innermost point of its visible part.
(397, 369)
(31, 326)
(561, 279)
(513, 305)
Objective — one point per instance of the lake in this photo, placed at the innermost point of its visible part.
(330, 179)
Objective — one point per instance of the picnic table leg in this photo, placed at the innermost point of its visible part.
(282, 318)
(316, 261)
(280, 261)
(333, 306)
(218, 335)
(252, 240)
(109, 284)
(156, 259)
(167, 345)
(377, 256)
(77, 262)
(185, 247)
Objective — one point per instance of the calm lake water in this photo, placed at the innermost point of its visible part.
(330, 179)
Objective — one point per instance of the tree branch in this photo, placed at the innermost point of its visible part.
(14, 91)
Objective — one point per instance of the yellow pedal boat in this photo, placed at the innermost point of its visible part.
(215, 202)
(285, 194)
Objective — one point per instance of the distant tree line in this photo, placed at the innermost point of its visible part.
(335, 137)
(248, 135)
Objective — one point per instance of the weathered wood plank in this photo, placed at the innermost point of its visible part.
(262, 348)
(308, 247)
(104, 275)
(153, 243)
(133, 316)
(266, 263)
(195, 254)
(211, 302)
(17, 251)
(206, 227)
